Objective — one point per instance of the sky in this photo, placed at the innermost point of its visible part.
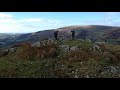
(26, 22)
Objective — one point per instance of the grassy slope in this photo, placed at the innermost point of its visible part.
(60, 67)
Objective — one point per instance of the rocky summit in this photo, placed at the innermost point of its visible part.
(67, 58)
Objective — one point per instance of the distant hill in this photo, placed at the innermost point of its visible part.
(113, 34)
(91, 32)
(7, 39)
(88, 31)
(8, 35)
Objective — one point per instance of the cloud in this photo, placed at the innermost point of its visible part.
(112, 13)
(8, 24)
(32, 20)
(5, 16)
(109, 19)
(112, 18)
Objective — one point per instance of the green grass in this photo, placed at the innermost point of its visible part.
(77, 43)
(58, 67)
(49, 68)
(26, 68)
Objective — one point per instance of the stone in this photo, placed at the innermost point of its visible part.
(74, 48)
(76, 76)
(113, 69)
(3, 52)
(63, 65)
(73, 71)
(76, 70)
(65, 48)
(89, 40)
(87, 76)
(36, 44)
(81, 63)
(96, 47)
(12, 50)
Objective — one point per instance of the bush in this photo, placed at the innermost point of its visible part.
(28, 52)
(78, 55)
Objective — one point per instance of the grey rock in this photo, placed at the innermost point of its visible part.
(76, 76)
(113, 70)
(65, 48)
(73, 71)
(96, 47)
(74, 48)
(3, 52)
(36, 44)
(12, 50)
(110, 70)
(6, 50)
(87, 76)
(51, 40)
(99, 43)
(88, 40)
(76, 70)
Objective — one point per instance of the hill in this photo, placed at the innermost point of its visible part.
(93, 32)
(7, 39)
(61, 59)
(113, 34)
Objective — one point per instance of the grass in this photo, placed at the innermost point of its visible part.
(76, 42)
(76, 64)
(26, 68)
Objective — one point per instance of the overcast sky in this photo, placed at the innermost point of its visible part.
(24, 22)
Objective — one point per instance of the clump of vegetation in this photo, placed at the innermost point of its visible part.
(29, 52)
(78, 55)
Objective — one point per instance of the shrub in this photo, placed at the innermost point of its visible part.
(116, 54)
(28, 52)
(78, 55)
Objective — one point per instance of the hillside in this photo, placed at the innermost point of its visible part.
(60, 59)
(92, 32)
(113, 35)
(7, 39)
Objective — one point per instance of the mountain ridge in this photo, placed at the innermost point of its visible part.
(82, 31)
